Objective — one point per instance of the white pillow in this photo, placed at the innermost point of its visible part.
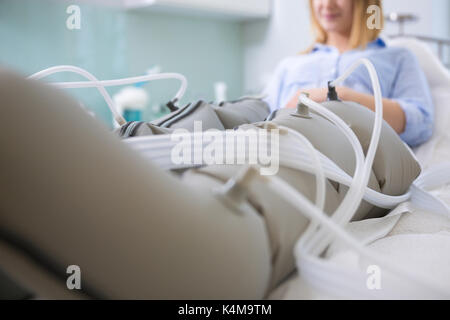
(437, 75)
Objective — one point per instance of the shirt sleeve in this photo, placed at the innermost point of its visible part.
(274, 88)
(412, 93)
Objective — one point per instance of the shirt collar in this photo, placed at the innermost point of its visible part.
(377, 43)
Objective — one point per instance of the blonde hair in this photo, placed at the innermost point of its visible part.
(360, 35)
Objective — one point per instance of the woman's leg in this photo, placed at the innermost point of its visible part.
(73, 194)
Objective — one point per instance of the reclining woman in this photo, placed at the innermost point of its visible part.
(74, 194)
(341, 38)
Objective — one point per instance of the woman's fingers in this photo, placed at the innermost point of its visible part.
(316, 94)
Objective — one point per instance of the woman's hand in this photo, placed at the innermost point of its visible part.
(392, 111)
(315, 94)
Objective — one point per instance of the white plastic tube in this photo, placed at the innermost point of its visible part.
(360, 180)
(124, 81)
(157, 148)
(295, 161)
(47, 72)
(100, 85)
(320, 181)
(318, 169)
(351, 202)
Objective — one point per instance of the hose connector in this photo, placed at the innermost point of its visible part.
(171, 105)
(235, 191)
(332, 93)
(302, 109)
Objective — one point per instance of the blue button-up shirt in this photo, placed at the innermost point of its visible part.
(400, 76)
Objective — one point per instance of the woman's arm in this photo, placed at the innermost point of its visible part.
(392, 111)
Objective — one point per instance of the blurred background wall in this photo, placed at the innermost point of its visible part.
(207, 49)
(114, 43)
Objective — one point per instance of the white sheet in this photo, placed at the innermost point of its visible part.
(418, 239)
